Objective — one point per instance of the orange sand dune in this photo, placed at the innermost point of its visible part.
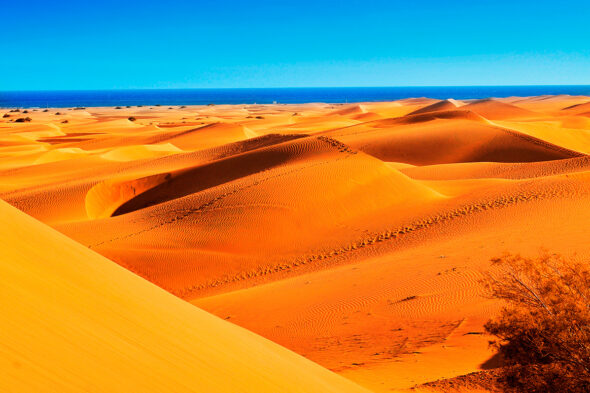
(352, 234)
(75, 321)
(354, 109)
(546, 103)
(241, 209)
(444, 105)
(497, 110)
(438, 142)
(578, 109)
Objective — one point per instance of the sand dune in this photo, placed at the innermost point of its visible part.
(354, 235)
(437, 142)
(351, 110)
(578, 109)
(243, 206)
(444, 105)
(497, 110)
(77, 322)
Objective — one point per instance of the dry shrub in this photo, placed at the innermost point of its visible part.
(544, 329)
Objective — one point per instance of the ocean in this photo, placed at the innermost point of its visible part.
(90, 98)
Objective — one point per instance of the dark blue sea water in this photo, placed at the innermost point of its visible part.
(89, 98)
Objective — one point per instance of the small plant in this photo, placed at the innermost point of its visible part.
(131, 118)
(45, 110)
(65, 121)
(117, 107)
(25, 111)
(22, 119)
(6, 115)
(57, 113)
(544, 329)
(79, 108)
(260, 117)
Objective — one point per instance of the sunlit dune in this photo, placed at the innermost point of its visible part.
(78, 322)
(340, 245)
(444, 105)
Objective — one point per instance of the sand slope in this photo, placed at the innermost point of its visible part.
(77, 322)
(436, 141)
(443, 105)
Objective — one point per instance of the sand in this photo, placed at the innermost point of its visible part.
(75, 321)
(352, 235)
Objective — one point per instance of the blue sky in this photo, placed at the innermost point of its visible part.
(180, 44)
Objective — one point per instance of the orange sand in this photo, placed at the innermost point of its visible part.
(354, 235)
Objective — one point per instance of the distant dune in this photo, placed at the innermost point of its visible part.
(352, 237)
(444, 105)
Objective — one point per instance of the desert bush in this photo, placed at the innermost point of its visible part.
(117, 107)
(23, 119)
(57, 113)
(543, 332)
(6, 115)
(131, 118)
(65, 121)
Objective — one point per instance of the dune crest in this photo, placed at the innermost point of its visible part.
(444, 105)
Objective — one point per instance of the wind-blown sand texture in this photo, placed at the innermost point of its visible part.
(354, 235)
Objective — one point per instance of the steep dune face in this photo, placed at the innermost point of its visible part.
(444, 105)
(438, 142)
(578, 109)
(115, 197)
(350, 110)
(496, 110)
(79, 323)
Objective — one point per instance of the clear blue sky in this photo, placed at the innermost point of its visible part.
(176, 44)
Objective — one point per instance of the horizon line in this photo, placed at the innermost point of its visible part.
(290, 87)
